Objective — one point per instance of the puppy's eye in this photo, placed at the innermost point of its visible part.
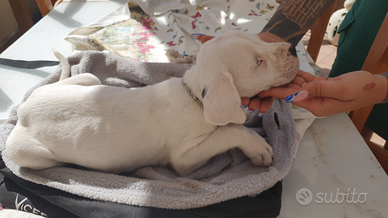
(258, 62)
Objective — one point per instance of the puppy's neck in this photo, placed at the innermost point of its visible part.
(191, 78)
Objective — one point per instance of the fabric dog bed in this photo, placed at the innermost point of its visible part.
(225, 177)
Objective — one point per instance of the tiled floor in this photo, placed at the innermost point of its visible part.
(326, 55)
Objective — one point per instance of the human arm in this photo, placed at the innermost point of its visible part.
(293, 19)
(347, 92)
(386, 97)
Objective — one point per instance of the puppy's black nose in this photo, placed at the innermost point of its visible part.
(292, 50)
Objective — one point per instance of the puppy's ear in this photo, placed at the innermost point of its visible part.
(222, 103)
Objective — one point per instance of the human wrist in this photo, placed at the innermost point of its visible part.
(383, 90)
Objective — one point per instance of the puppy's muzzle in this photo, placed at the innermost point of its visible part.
(292, 51)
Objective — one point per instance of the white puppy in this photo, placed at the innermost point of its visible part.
(112, 129)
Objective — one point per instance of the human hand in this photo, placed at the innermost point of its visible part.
(323, 96)
(264, 101)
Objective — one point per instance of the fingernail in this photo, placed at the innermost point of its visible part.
(260, 114)
(244, 106)
(251, 111)
(299, 96)
(194, 35)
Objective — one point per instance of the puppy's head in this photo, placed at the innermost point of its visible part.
(239, 64)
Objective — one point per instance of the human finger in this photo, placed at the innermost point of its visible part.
(298, 81)
(308, 77)
(315, 88)
(254, 103)
(322, 87)
(302, 77)
(265, 104)
(280, 92)
(294, 86)
(245, 101)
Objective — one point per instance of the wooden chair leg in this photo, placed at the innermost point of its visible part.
(22, 15)
(45, 6)
(318, 29)
(318, 32)
(380, 154)
(366, 133)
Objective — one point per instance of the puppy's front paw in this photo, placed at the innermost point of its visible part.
(262, 156)
(258, 150)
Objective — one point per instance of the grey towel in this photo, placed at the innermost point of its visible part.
(226, 176)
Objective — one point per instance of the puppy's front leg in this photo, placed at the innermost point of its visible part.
(222, 139)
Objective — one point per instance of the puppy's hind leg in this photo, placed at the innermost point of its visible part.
(27, 152)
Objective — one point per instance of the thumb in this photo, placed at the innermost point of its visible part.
(279, 92)
(322, 87)
(319, 87)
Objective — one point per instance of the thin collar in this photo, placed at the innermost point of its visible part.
(191, 94)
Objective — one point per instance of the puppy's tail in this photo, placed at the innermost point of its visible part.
(65, 65)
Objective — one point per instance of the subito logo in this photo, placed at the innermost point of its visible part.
(304, 196)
